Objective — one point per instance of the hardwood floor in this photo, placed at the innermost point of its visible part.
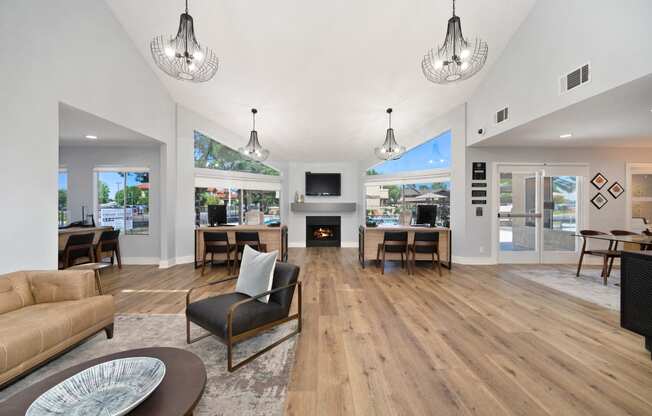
(478, 340)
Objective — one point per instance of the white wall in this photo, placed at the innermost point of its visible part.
(557, 37)
(351, 192)
(611, 162)
(77, 53)
(80, 162)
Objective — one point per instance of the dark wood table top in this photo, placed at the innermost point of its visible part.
(636, 239)
(178, 393)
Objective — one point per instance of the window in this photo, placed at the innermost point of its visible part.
(385, 202)
(123, 200)
(63, 197)
(433, 154)
(266, 201)
(642, 197)
(210, 154)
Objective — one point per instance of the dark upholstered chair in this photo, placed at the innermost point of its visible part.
(425, 243)
(217, 243)
(393, 242)
(606, 255)
(235, 317)
(78, 246)
(247, 238)
(109, 243)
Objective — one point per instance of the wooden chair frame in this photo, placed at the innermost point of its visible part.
(607, 255)
(232, 340)
(382, 247)
(114, 253)
(413, 249)
(74, 247)
(229, 248)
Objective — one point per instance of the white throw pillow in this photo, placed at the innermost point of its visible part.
(256, 273)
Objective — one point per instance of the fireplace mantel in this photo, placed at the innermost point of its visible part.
(323, 207)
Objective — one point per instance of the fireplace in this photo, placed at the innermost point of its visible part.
(323, 231)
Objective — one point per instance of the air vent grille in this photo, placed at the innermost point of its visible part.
(575, 78)
(502, 115)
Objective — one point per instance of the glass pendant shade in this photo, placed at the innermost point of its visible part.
(457, 59)
(181, 56)
(253, 149)
(390, 150)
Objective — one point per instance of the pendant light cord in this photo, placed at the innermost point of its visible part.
(453, 7)
(253, 117)
(187, 6)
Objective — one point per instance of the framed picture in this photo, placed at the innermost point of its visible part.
(616, 190)
(599, 181)
(599, 201)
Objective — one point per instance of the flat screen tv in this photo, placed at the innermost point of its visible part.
(323, 184)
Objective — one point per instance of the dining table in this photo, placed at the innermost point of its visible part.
(644, 242)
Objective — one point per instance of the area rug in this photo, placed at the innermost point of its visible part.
(588, 286)
(258, 388)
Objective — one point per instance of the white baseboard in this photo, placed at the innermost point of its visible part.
(140, 260)
(350, 244)
(477, 261)
(165, 264)
(296, 244)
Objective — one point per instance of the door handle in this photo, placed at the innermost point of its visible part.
(512, 215)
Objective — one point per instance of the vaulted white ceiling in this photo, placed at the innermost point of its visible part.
(321, 73)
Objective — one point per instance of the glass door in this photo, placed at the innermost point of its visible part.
(539, 213)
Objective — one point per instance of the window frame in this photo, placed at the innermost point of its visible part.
(124, 170)
(64, 169)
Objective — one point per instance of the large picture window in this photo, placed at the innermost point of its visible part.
(210, 154)
(123, 200)
(63, 197)
(238, 202)
(433, 154)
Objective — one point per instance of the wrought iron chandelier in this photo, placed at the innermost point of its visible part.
(390, 150)
(253, 149)
(181, 56)
(457, 59)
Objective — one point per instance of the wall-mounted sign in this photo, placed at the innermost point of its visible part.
(479, 171)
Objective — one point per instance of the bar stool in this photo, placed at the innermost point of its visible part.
(247, 238)
(425, 243)
(78, 246)
(109, 243)
(217, 243)
(393, 242)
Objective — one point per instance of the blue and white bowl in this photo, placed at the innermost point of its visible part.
(112, 388)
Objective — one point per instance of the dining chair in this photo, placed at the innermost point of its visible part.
(425, 243)
(77, 247)
(247, 238)
(606, 255)
(615, 246)
(217, 243)
(393, 242)
(109, 243)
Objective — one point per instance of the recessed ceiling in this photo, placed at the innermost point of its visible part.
(321, 73)
(618, 117)
(75, 125)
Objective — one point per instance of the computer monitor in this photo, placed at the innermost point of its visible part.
(427, 214)
(216, 215)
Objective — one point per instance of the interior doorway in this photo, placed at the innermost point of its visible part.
(540, 210)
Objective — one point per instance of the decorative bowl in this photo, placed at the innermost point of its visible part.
(112, 388)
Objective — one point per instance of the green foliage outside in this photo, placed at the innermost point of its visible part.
(135, 196)
(102, 192)
(63, 199)
(214, 155)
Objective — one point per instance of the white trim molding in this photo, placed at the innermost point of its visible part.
(140, 261)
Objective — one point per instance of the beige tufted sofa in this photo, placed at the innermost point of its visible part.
(44, 313)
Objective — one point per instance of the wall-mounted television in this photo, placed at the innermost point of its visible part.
(323, 184)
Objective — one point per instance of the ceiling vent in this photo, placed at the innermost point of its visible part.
(575, 78)
(502, 115)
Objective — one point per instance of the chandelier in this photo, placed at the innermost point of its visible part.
(390, 150)
(457, 59)
(253, 149)
(181, 56)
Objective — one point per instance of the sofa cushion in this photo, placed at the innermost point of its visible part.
(14, 292)
(63, 285)
(256, 273)
(211, 313)
(26, 332)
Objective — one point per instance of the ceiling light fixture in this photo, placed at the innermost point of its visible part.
(566, 136)
(457, 59)
(91, 137)
(253, 149)
(181, 56)
(390, 150)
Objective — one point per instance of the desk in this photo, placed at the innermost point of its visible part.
(64, 233)
(276, 238)
(370, 237)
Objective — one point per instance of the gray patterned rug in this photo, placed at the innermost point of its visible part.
(258, 388)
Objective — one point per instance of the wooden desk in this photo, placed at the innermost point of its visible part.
(370, 237)
(276, 238)
(64, 233)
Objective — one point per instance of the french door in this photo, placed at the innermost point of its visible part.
(540, 209)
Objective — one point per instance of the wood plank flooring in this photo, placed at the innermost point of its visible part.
(479, 340)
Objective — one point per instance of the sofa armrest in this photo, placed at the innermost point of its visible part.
(61, 285)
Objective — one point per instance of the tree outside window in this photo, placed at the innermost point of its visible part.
(123, 201)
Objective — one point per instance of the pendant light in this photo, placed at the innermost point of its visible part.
(253, 149)
(390, 150)
(457, 59)
(181, 56)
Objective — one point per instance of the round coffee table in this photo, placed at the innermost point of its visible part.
(177, 395)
